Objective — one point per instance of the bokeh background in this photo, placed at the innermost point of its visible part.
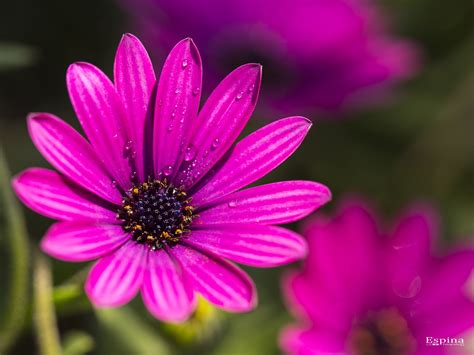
(416, 145)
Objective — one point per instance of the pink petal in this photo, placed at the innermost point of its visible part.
(447, 281)
(344, 258)
(101, 114)
(115, 279)
(51, 195)
(82, 241)
(308, 298)
(255, 245)
(306, 341)
(253, 157)
(220, 121)
(71, 154)
(220, 282)
(134, 81)
(177, 104)
(276, 203)
(409, 254)
(165, 291)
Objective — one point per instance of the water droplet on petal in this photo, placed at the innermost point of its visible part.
(215, 144)
(114, 183)
(239, 95)
(232, 204)
(190, 153)
(196, 91)
(168, 170)
(170, 127)
(251, 87)
(407, 288)
(184, 63)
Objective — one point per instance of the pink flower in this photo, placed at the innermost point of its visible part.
(318, 53)
(154, 193)
(360, 292)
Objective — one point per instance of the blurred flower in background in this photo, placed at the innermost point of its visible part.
(364, 293)
(164, 223)
(316, 53)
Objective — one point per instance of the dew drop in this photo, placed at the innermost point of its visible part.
(114, 183)
(232, 204)
(239, 95)
(190, 153)
(170, 127)
(215, 144)
(184, 63)
(251, 87)
(168, 170)
(196, 91)
(177, 91)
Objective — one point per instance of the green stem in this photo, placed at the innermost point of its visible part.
(44, 316)
(18, 255)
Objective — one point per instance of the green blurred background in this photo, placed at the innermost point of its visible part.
(417, 146)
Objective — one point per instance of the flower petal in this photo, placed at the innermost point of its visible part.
(344, 257)
(255, 245)
(177, 104)
(82, 241)
(134, 79)
(299, 340)
(408, 255)
(276, 203)
(220, 282)
(220, 121)
(101, 115)
(165, 291)
(115, 279)
(71, 154)
(253, 157)
(51, 195)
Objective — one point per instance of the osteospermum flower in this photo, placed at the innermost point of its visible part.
(319, 53)
(363, 293)
(153, 192)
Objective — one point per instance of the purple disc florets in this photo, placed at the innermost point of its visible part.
(156, 213)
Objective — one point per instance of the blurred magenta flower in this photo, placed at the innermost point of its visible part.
(317, 53)
(153, 193)
(363, 293)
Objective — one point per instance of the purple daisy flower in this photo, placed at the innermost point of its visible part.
(154, 193)
(362, 293)
(319, 53)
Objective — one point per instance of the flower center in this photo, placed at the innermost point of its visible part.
(156, 213)
(383, 332)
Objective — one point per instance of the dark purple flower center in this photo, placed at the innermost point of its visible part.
(156, 213)
(382, 332)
